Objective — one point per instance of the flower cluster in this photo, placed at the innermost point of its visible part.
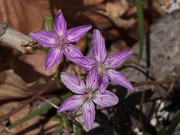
(101, 70)
(60, 41)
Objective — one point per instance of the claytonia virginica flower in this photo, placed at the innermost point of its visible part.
(86, 95)
(60, 41)
(104, 66)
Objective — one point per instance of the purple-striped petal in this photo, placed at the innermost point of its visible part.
(117, 59)
(84, 62)
(89, 113)
(52, 57)
(76, 33)
(72, 82)
(72, 51)
(92, 79)
(119, 79)
(43, 37)
(71, 103)
(59, 25)
(106, 99)
(103, 83)
(98, 47)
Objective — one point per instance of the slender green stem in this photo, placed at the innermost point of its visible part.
(42, 109)
(140, 27)
(174, 124)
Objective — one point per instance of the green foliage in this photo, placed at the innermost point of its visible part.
(174, 124)
(48, 22)
(161, 129)
(63, 121)
(140, 27)
(39, 111)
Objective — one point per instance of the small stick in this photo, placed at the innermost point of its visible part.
(16, 40)
(6, 129)
(55, 106)
(147, 69)
(29, 100)
(152, 82)
(49, 102)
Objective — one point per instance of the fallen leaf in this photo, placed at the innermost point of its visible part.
(92, 2)
(37, 61)
(12, 86)
(29, 125)
(24, 15)
(50, 127)
(116, 9)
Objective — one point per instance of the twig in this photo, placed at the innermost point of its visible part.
(147, 69)
(49, 102)
(142, 98)
(73, 119)
(152, 82)
(6, 129)
(27, 101)
(16, 40)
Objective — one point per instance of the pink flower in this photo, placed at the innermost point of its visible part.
(104, 66)
(86, 95)
(60, 41)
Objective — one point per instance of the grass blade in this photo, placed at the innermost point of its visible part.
(37, 112)
(140, 28)
(174, 124)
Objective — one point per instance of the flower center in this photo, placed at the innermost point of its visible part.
(61, 42)
(89, 93)
(100, 68)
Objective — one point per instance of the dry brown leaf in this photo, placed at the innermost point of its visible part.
(132, 10)
(100, 21)
(50, 127)
(33, 130)
(123, 23)
(12, 86)
(119, 21)
(116, 9)
(24, 15)
(37, 61)
(6, 107)
(92, 2)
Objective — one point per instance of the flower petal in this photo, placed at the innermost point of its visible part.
(76, 33)
(84, 62)
(106, 99)
(117, 59)
(59, 25)
(43, 37)
(98, 47)
(92, 79)
(119, 79)
(52, 57)
(71, 103)
(103, 83)
(72, 82)
(89, 113)
(72, 51)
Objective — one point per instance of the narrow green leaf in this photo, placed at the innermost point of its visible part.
(39, 111)
(48, 22)
(174, 124)
(140, 28)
